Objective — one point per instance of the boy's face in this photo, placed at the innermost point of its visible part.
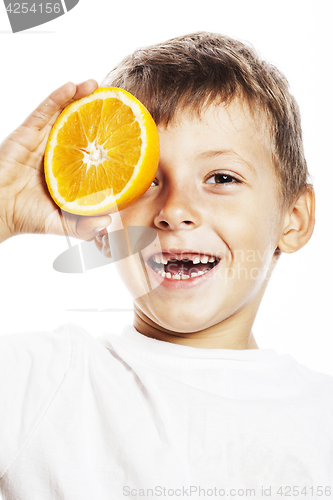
(215, 194)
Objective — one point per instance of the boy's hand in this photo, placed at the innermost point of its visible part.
(25, 203)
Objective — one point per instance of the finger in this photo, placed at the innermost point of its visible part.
(76, 226)
(47, 112)
(98, 242)
(85, 88)
(54, 103)
(27, 134)
(88, 228)
(103, 244)
(82, 90)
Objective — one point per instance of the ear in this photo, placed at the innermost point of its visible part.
(298, 222)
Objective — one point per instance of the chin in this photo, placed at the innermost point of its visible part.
(176, 320)
(135, 277)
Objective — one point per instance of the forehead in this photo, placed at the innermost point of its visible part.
(218, 122)
(233, 127)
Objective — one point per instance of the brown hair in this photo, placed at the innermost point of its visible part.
(202, 68)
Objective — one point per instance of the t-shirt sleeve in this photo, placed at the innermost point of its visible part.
(32, 368)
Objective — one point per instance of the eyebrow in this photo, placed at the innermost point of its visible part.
(214, 153)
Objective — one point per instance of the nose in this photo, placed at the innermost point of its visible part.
(178, 211)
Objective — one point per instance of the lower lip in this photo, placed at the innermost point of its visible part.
(177, 284)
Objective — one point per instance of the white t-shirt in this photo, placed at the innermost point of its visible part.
(127, 416)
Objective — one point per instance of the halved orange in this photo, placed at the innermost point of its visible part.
(102, 153)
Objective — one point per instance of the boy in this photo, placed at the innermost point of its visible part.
(183, 403)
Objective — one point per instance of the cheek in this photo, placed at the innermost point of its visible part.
(250, 235)
(137, 214)
(128, 216)
(133, 270)
(133, 276)
(252, 262)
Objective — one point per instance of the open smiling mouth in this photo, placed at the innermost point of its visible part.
(182, 268)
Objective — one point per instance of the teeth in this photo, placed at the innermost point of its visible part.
(160, 259)
(180, 276)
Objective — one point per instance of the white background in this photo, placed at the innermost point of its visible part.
(295, 315)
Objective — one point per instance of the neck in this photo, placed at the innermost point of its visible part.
(219, 336)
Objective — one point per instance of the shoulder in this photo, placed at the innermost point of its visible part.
(33, 353)
(315, 389)
(314, 379)
(33, 366)
(42, 351)
(32, 342)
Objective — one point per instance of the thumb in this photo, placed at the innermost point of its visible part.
(88, 228)
(77, 226)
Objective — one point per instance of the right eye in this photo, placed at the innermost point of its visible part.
(154, 181)
(222, 178)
